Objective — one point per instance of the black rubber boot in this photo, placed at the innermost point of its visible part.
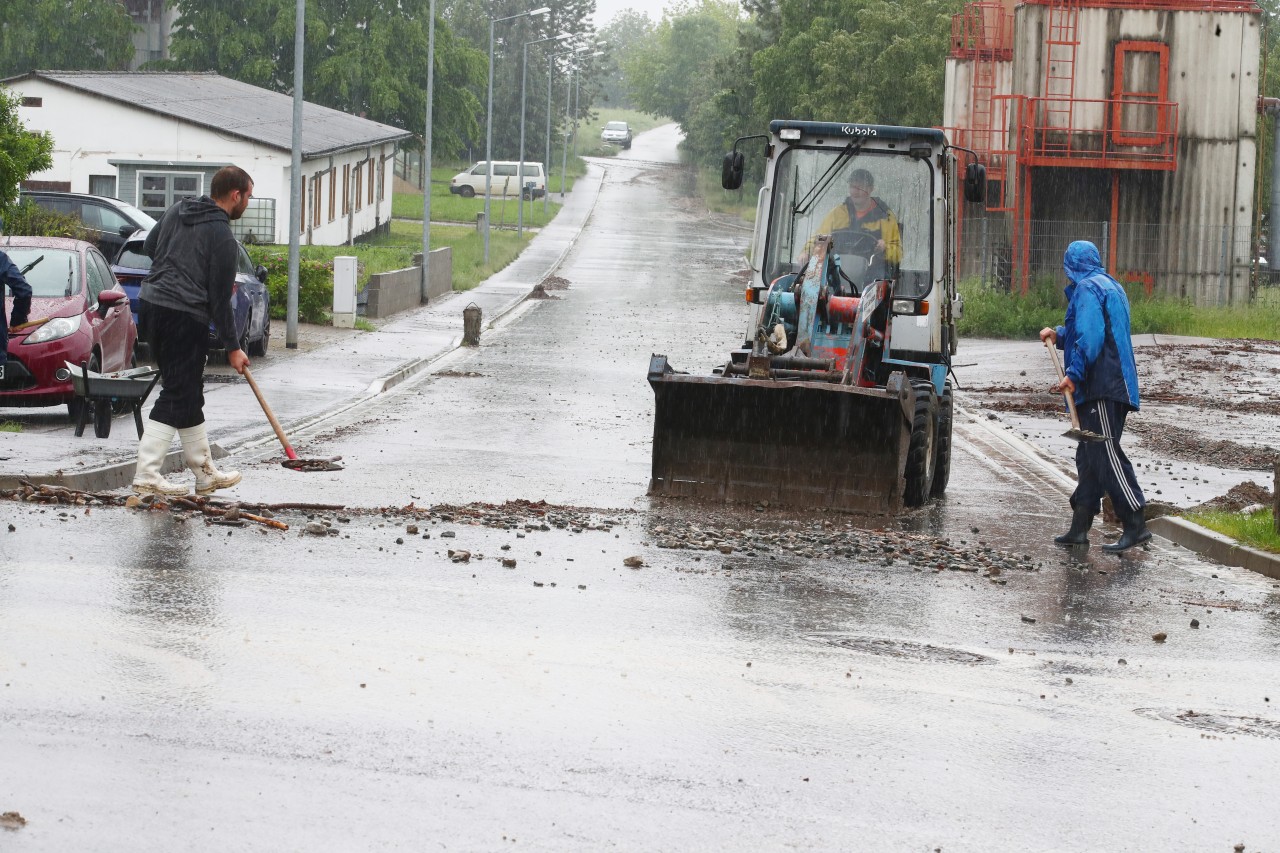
(1081, 521)
(1135, 533)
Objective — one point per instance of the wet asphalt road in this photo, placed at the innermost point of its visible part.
(210, 688)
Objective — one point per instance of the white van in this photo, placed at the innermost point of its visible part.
(505, 180)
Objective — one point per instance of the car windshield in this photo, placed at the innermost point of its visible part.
(53, 273)
(131, 256)
(145, 220)
(811, 183)
(616, 125)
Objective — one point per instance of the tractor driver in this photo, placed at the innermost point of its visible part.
(863, 225)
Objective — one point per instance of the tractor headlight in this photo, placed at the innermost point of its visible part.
(58, 327)
(910, 306)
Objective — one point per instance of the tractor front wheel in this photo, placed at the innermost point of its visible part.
(942, 467)
(922, 451)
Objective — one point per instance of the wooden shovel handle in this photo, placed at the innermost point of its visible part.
(275, 424)
(1066, 395)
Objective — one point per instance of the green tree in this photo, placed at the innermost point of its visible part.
(668, 76)
(64, 35)
(471, 19)
(22, 152)
(623, 36)
(364, 57)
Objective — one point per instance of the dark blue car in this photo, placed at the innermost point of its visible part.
(250, 301)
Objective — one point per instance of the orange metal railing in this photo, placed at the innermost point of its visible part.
(982, 29)
(1105, 134)
(1163, 5)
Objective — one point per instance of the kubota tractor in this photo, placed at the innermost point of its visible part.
(839, 396)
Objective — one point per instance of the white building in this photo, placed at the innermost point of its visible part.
(153, 138)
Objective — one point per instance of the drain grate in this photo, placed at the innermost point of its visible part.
(903, 649)
(1220, 724)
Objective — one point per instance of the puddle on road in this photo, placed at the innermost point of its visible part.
(1218, 724)
(902, 649)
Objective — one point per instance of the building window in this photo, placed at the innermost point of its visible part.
(1139, 91)
(359, 185)
(317, 195)
(346, 189)
(258, 223)
(382, 179)
(33, 102)
(371, 182)
(302, 206)
(102, 185)
(157, 191)
(333, 193)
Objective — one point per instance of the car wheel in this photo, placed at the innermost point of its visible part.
(467, 192)
(244, 336)
(259, 348)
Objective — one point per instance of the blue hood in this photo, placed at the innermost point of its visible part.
(1081, 261)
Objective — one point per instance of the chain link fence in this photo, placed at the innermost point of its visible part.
(1210, 265)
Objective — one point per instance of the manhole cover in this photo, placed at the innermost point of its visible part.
(1220, 724)
(221, 378)
(900, 649)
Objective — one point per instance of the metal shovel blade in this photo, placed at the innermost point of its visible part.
(1083, 435)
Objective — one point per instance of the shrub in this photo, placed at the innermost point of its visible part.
(29, 219)
(315, 284)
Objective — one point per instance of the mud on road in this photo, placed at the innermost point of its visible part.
(1212, 404)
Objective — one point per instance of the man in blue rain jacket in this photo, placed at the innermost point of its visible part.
(1102, 378)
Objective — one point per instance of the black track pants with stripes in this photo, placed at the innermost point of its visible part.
(1101, 466)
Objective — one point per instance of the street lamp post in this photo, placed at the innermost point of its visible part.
(574, 70)
(550, 65)
(488, 127)
(297, 183)
(425, 285)
(524, 66)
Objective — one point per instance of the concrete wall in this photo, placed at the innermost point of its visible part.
(399, 290)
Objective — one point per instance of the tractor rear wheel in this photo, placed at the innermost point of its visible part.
(942, 467)
(922, 451)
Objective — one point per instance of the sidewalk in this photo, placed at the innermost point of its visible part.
(303, 388)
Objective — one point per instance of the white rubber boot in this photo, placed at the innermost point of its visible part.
(153, 447)
(199, 458)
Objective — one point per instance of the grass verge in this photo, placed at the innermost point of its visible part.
(469, 268)
(447, 207)
(1255, 529)
(995, 314)
(10, 426)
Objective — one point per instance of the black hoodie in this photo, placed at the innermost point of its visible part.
(193, 264)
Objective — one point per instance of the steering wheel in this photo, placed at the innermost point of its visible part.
(854, 241)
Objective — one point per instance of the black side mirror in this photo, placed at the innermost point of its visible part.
(975, 183)
(731, 170)
(261, 272)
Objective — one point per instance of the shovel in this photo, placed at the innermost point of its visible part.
(293, 463)
(1075, 432)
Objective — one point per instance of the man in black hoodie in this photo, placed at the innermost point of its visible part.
(193, 267)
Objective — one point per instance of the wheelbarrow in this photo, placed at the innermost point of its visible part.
(108, 394)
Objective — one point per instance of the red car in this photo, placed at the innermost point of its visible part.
(79, 313)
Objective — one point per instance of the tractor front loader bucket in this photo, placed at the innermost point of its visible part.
(790, 442)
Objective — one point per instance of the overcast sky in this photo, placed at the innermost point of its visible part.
(607, 9)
